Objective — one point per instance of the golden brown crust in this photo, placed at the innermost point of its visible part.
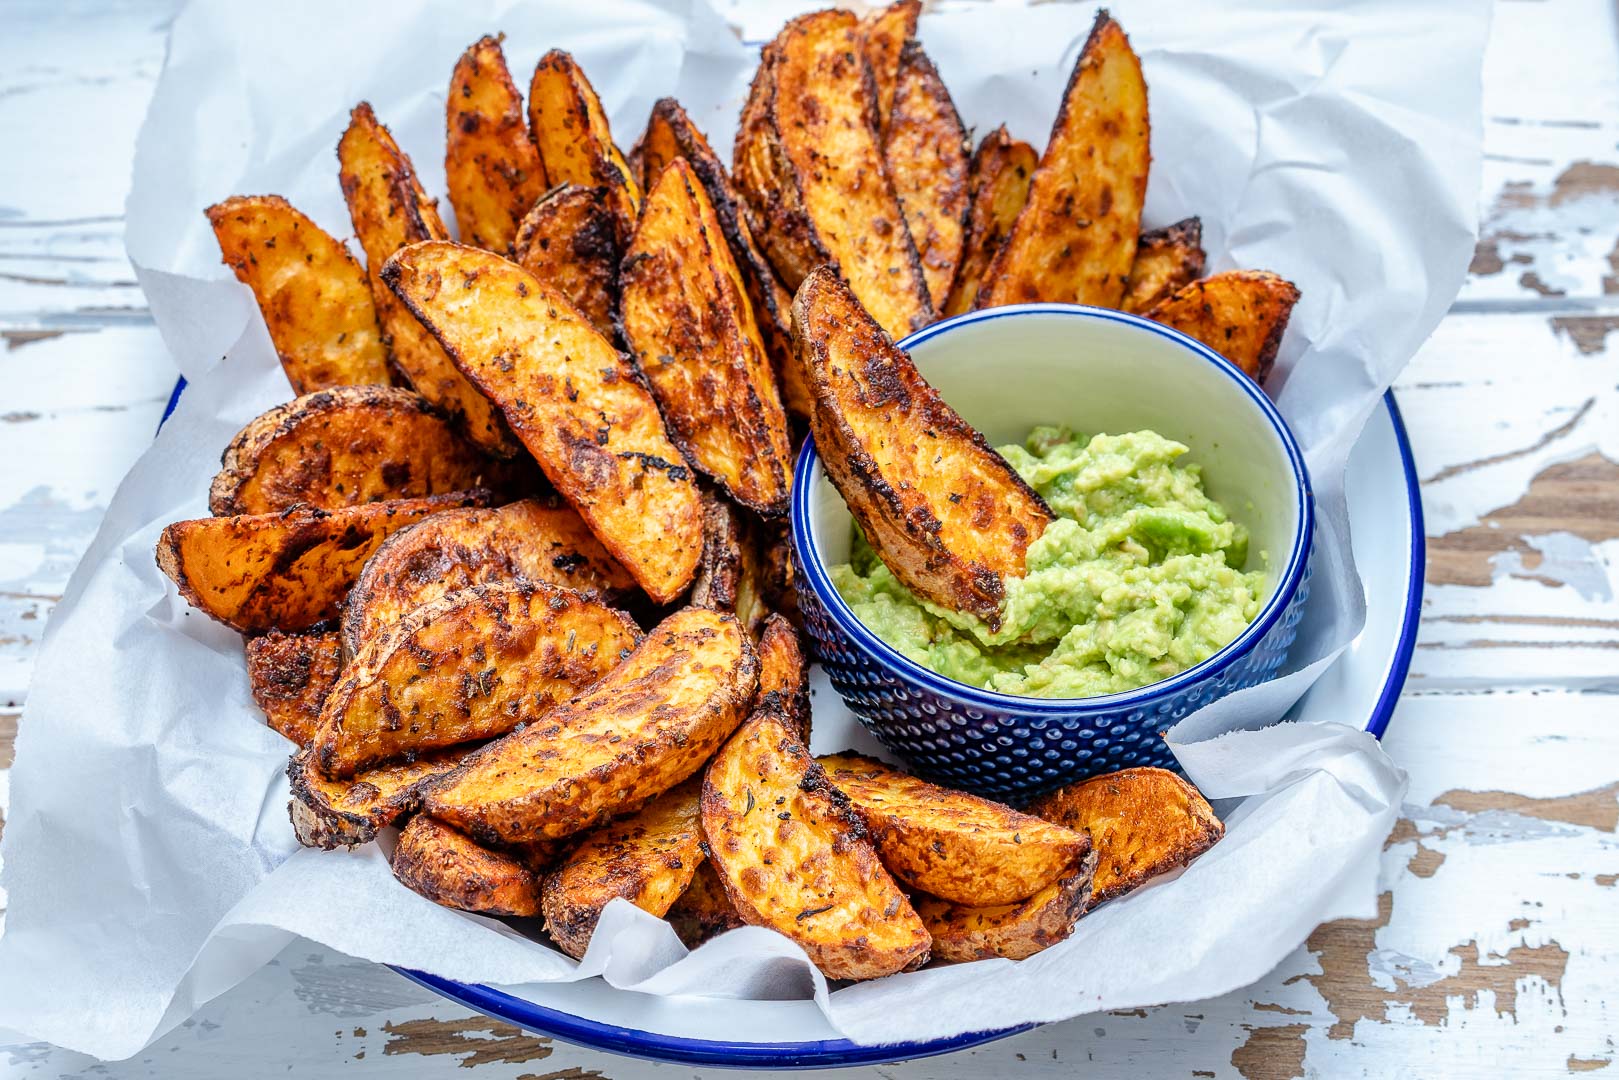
(1013, 931)
(328, 813)
(472, 664)
(342, 447)
(883, 35)
(647, 726)
(575, 141)
(952, 845)
(999, 182)
(685, 316)
(945, 512)
(313, 295)
(569, 240)
(530, 540)
(491, 166)
(290, 676)
(285, 571)
(451, 869)
(390, 210)
(647, 858)
(579, 406)
(783, 674)
(1143, 822)
(793, 856)
(1167, 260)
(703, 910)
(926, 148)
(1240, 314)
(1075, 239)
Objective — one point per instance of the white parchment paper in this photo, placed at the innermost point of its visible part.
(148, 859)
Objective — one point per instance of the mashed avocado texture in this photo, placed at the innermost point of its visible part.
(1139, 578)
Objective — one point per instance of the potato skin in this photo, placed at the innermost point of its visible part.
(1143, 822)
(793, 856)
(579, 406)
(703, 911)
(451, 869)
(569, 240)
(945, 512)
(1240, 314)
(883, 35)
(328, 813)
(491, 165)
(286, 571)
(999, 183)
(290, 676)
(1075, 239)
(313, 295)
(576, 144)
(952, 845)
(783, 674)
(685, 316)
(1013, 931)
(645, 727)
(1167, 260)
(529, 540)
(925, 146)
(342, 447)
(647, 858)
(472, 664)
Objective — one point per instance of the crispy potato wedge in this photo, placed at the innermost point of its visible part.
(1167, 260)
(491, 165)
(1013, 931)
(719, 575)
(530, 540)
(389, 210)
(926, 148)
(703, 911)
(569, 240)
(1075, 239)
(451, 869)
(809, 163)
(342, 447)
(686, 317)
(290, 676)
(645, 727)
(883, 35)
(328, 813)
(946, 513)
(576, 144)
(955, 846)
(647, 858)
(1240, 314)
(794, 857)
(470, 665)
(1143, 822)
(783, 675)
(312, 294)
(580, 406)
(999, 183)
(285, 571)
(670, 134)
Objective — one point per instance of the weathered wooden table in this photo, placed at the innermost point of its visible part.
(1496, 948)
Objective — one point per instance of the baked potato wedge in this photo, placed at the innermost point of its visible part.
(952, 845)
(472, 664)
(389, 210)
(530, 540)
(809, 162)
(719, 575)
(328, 813)
(569, 240)
(1167, 260)
(576, 143)
(580, 407)
(794, 857)
(491, 165)
(1075, 239)
(783, 675)
(1240, 314)
(649, 724)
(883, 35)
(946, 512)
(312, 294)
(686, 318)
(342, 447)
(1013, 931)
(290, 675)
(647, 858)
(926, 148)
(286, 571)
(999, 183)
(1143, 822)
(451, 869)
(703, 911)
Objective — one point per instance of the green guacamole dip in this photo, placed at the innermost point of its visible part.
(1139, 578)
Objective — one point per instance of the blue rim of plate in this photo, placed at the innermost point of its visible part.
(835, 1053)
